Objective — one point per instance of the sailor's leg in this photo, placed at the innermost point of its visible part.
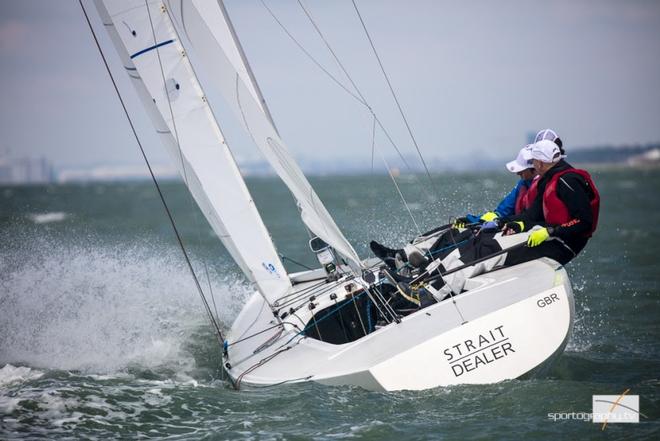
(481, 247)
(449, 241)
(554, 249)
(455, 281)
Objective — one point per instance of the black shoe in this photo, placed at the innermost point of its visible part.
(381, 251)
(417, 260)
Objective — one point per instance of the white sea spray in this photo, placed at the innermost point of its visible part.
(104, 308)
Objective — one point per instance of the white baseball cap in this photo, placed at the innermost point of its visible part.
(546, 134)
(546, 151)
(522, 162)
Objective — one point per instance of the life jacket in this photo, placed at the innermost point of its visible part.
(526, 196)
(555, 211)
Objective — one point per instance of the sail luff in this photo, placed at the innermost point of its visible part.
(246, 63)
(208, 33)
(186, 126)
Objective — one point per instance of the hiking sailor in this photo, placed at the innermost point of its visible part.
(566, 209)
(517, 199)
(515, 202)
(558, 224)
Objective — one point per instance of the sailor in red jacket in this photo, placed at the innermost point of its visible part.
(560, 221)
(564, 214)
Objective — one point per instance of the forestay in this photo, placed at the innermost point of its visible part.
(209, 30)
(156, 60)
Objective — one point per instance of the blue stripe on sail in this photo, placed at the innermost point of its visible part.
(155, 46)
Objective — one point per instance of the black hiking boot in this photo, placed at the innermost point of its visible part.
(382, 252)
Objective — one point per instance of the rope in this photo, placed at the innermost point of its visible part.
(334, 55)
(373, 144)
(153, 178)
(193, 209)
(342, 86)
(396, 100)
(302, 48)
(396, 185)
(241, 340)
(282, 256)
(178, 146)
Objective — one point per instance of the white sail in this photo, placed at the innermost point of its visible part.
(208, 29)
(156, 61)
(224, 33)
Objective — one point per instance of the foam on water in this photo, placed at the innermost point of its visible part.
(103, 309)
(46, 218)
(12, 374)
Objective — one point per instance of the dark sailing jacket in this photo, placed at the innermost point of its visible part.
(576, 194)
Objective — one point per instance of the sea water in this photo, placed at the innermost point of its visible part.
(103, 335)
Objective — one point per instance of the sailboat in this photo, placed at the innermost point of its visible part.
(337, 324)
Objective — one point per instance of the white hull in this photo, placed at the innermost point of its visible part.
(511, 321)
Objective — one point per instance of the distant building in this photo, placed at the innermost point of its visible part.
(648, 158)
(110, 173)
(26, 171)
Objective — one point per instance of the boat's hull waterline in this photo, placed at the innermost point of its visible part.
(510, 323)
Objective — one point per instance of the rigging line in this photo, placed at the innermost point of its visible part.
(302, 298)
(241, 340)
(153, 176)
(373, 151)
(363, 100)
(389, 171)
(178, 145)
(258, 364)
(334, 55)
(282, 256)
(302, 48)
(396, 100)
(373, 298)
(385, 303)
(373, 144)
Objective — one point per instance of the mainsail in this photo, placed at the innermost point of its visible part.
(156, 61)
(206, 25)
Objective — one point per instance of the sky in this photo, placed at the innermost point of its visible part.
(473, 79)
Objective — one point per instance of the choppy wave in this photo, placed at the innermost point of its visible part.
(104, 309)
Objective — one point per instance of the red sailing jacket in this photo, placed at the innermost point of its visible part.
(526, 196)
(556, 212)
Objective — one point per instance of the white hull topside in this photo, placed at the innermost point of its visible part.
(508, 323)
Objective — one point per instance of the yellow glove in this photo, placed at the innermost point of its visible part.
(460, 222)
(537, 237)
(490, 216)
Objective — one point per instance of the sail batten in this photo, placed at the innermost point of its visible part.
(211, 35)
(155, 60)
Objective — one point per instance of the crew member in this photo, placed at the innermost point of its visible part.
(558, 224)
(516, 201)
(565, 210)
